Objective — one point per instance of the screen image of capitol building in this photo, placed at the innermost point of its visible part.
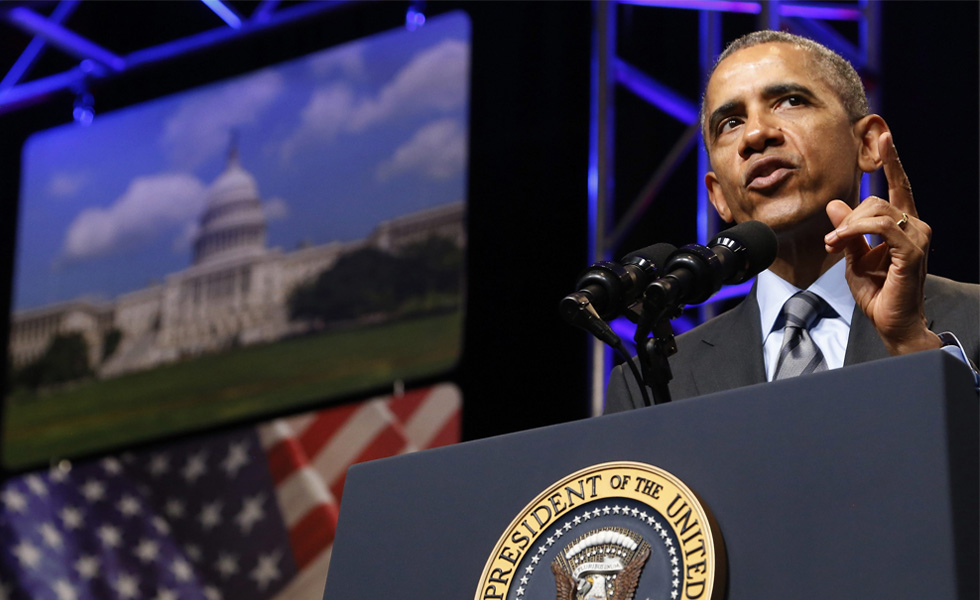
(235, 293)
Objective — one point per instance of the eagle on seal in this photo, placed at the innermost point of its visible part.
(595, 586)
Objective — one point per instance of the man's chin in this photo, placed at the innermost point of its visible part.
(792, 224)
(778, 221)
(782, 226)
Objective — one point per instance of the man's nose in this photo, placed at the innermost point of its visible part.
(760, 132)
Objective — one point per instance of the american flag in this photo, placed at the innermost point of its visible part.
(247, 514)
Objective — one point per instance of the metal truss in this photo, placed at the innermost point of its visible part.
(811, 19)
(51, 29)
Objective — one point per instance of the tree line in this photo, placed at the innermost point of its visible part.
(421, 278)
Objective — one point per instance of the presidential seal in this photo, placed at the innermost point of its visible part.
(613, 531)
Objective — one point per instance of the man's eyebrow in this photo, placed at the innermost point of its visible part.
(779, 89)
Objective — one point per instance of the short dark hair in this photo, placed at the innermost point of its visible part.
(839, 73)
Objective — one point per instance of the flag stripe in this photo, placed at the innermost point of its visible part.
(302, 421)
(429, 416)
(344, 448)
(388, 442)
(449, 434)
(325, 426)
(285, 458)
(302, 492)
(314, 532)
(404, 406)
(310, 581)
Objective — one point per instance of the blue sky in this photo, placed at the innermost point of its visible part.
(337, 142)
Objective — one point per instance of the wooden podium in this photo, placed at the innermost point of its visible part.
(856, 483)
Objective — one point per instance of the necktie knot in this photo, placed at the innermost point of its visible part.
(804, 309)
(799, 355)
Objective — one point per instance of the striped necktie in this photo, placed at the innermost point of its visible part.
(799, 355)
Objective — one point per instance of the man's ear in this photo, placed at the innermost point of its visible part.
(868, 129)
(717, 197)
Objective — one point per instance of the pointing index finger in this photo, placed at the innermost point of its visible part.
(899, 187)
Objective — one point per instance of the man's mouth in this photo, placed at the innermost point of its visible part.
(767, 173)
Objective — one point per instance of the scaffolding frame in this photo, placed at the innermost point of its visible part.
(608, 71)
(97, 62)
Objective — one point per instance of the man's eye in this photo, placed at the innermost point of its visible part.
(793, 101)
(728, 124)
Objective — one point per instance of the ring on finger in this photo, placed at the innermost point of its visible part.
(903, 221)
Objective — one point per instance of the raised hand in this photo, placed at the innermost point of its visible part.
(887, 280)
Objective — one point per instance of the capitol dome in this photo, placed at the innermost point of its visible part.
(232, 223)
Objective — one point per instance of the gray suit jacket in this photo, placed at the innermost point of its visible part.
(726, 352)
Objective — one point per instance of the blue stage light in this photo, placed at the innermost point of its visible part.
(414, 18)
(83, 110)
(225, 12)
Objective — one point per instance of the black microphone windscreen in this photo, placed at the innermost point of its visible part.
(759, 242)
(657, 254)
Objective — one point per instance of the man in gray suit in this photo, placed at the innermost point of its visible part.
(789, 134)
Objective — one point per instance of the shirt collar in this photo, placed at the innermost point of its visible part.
(772, 291)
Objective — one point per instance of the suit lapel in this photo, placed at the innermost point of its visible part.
(863, 342)
(929, 304)
(730, 355)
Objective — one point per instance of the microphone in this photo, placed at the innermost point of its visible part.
(610, 287)
(695, 273)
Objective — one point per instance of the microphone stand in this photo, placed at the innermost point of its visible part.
(577, 310)
(654, 351)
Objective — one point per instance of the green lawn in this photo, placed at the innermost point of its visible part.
(216, 389)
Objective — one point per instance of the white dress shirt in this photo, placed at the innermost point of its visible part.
(829, 334)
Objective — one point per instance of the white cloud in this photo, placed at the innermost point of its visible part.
(66, 185)
(438, 150)
(149, 206)
(325, 115)
(200, 128)
(348, 60)
(435, 79)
